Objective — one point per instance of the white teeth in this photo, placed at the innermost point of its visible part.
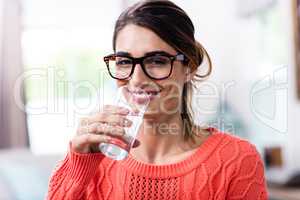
(144, 93)
(141, 95)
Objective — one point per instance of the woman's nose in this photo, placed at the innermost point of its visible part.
(138, 75)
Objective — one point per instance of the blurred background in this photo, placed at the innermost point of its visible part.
(52, 73)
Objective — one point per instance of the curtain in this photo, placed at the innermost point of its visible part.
(13, 130)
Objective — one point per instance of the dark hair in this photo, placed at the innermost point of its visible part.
(174, 26)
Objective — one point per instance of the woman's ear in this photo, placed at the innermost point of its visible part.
(188, 73)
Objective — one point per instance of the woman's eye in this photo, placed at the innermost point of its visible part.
(123, 62)
(158, 61)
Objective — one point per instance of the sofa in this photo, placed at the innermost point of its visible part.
(24, 176)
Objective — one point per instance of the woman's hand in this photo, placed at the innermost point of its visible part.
(101, 127)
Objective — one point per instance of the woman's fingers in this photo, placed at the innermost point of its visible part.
(108, 118)
(83, 142)
(115, 110)
(94, 139)
(101, 128)
(109, 114)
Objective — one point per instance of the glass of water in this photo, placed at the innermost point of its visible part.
(137, 104)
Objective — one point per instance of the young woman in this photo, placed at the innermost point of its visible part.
(155, 42)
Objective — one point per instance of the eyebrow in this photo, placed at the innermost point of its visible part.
(151, 53)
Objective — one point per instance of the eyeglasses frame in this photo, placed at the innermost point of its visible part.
(140, 60)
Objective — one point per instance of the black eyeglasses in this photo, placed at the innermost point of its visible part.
(156, 65)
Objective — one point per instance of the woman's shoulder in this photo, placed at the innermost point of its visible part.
(244, 166)
(232, 141)
(232, 148)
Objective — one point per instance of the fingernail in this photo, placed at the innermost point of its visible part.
(127, 122)
(107, 138)
(121, 132)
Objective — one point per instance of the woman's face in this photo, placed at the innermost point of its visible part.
(165, 95)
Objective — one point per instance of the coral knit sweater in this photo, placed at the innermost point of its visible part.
(223, 167)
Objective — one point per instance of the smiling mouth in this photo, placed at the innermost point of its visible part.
(142, 94)
(145, 92)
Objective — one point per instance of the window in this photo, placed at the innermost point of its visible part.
(63, 45)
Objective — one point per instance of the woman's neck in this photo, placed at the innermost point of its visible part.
(161, 140)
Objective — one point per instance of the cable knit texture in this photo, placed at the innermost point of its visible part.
(223, 167)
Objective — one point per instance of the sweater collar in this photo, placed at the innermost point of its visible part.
(175, 169)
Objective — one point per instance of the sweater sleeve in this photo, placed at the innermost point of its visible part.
(71, 177)
(248, 181)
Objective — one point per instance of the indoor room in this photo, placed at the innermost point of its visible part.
(59, 62)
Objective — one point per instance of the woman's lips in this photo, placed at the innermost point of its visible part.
(142, 96)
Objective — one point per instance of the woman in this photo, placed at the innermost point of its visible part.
(155, 41)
